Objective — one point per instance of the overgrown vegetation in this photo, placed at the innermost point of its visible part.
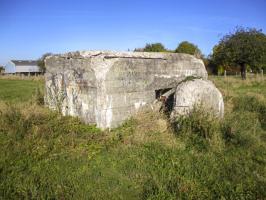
(44, 155)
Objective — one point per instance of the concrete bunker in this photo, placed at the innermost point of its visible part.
(106, 88)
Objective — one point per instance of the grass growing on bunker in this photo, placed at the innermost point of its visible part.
(44, 155)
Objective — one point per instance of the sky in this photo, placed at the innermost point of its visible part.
(30, 28)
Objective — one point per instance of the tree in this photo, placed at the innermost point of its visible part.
(1, 68)
(41, 62)
(244, 47)
(155, 47)
(189, 48)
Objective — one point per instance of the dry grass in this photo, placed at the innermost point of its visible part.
(22, 77)
(152, 126)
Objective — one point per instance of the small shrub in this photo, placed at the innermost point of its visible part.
(200, 127)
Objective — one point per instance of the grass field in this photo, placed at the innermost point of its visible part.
(46, 156)
(18, 90)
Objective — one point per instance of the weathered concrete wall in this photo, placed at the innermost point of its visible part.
(108, 87)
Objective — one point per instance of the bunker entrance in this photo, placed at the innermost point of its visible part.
(167, 97)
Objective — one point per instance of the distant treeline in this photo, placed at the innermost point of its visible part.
(241, 50)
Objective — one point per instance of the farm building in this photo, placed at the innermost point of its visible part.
(26, 67)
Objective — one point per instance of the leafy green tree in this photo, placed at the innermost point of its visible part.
(2, 69)
(189, 48)
(246, 47)
(41, 62)
(155, 47)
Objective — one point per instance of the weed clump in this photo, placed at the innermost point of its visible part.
(200, 128)
(38, 97)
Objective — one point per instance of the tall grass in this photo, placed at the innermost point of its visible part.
(44, 155)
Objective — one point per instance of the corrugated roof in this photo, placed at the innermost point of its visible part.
(25, 62)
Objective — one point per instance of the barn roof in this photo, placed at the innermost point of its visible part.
(25, 62)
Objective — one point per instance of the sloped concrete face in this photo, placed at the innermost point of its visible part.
(107, 88)
(195, 93)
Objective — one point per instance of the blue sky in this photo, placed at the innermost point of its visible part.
(30, 28)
